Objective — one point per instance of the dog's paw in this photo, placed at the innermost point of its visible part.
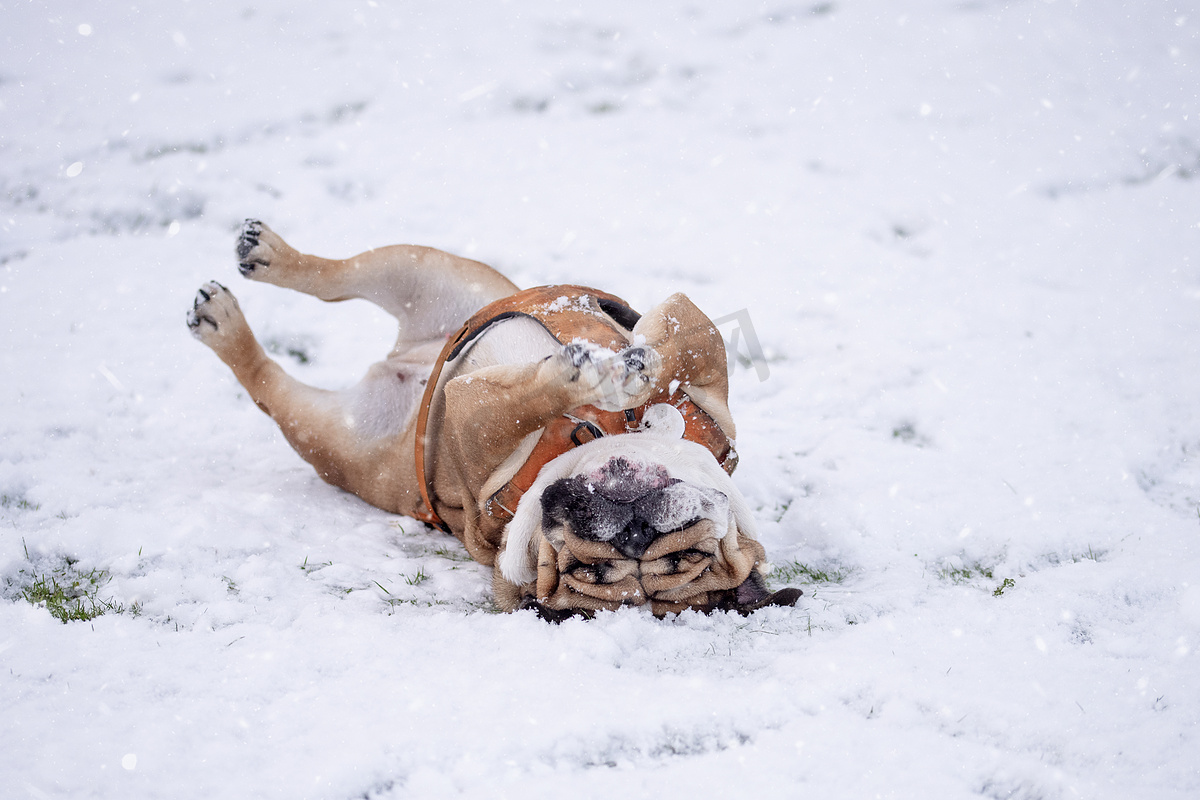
(613, 381)
(578, 354)
(630, 378)
(638, 366)
(258, 248)
(215, 317)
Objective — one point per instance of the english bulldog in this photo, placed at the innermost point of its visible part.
(579, 448)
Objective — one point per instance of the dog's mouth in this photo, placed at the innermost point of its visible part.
(630, 534)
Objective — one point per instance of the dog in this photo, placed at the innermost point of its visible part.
(579, 448)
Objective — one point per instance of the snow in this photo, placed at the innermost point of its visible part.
(965, 236)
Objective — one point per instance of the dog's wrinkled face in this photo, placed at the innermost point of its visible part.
(636, 520)
(629, 533)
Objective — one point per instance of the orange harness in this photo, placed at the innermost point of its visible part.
(568, 313)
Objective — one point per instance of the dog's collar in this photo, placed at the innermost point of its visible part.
(568, 313)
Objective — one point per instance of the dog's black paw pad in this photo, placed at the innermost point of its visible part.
(635, 358)
(784, 597)
(248, 238)
(200, 311)
(195, 319)
(206, 293)
(214, 313)
(578, 354)
(254, 248)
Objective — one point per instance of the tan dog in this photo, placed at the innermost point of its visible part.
(580, 449)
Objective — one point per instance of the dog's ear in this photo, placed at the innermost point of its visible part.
(753, 595)
(554, 615)
(693, 352)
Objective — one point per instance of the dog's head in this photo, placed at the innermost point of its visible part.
(643, 518)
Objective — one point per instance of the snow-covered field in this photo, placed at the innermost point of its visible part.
(966, 233)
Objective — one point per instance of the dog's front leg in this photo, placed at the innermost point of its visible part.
(490, 409)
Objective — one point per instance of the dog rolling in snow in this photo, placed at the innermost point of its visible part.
(580, 449)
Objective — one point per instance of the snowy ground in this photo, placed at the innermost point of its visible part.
(965, 231)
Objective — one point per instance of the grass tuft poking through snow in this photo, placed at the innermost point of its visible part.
(17, 502)
(68, 592)
(799, 572)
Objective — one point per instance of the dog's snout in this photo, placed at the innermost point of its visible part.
(592, 516)
(627, 526)
(635, 539)
(625, 504)
(624, 481)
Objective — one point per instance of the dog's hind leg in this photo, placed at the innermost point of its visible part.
(429, 291)
(349, 437)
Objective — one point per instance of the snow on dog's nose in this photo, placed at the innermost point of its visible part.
(629, 505)
(623, 481)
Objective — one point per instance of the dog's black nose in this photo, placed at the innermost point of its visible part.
(618, 512)
(623, 481)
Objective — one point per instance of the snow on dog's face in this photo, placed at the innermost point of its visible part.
(643, 518)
